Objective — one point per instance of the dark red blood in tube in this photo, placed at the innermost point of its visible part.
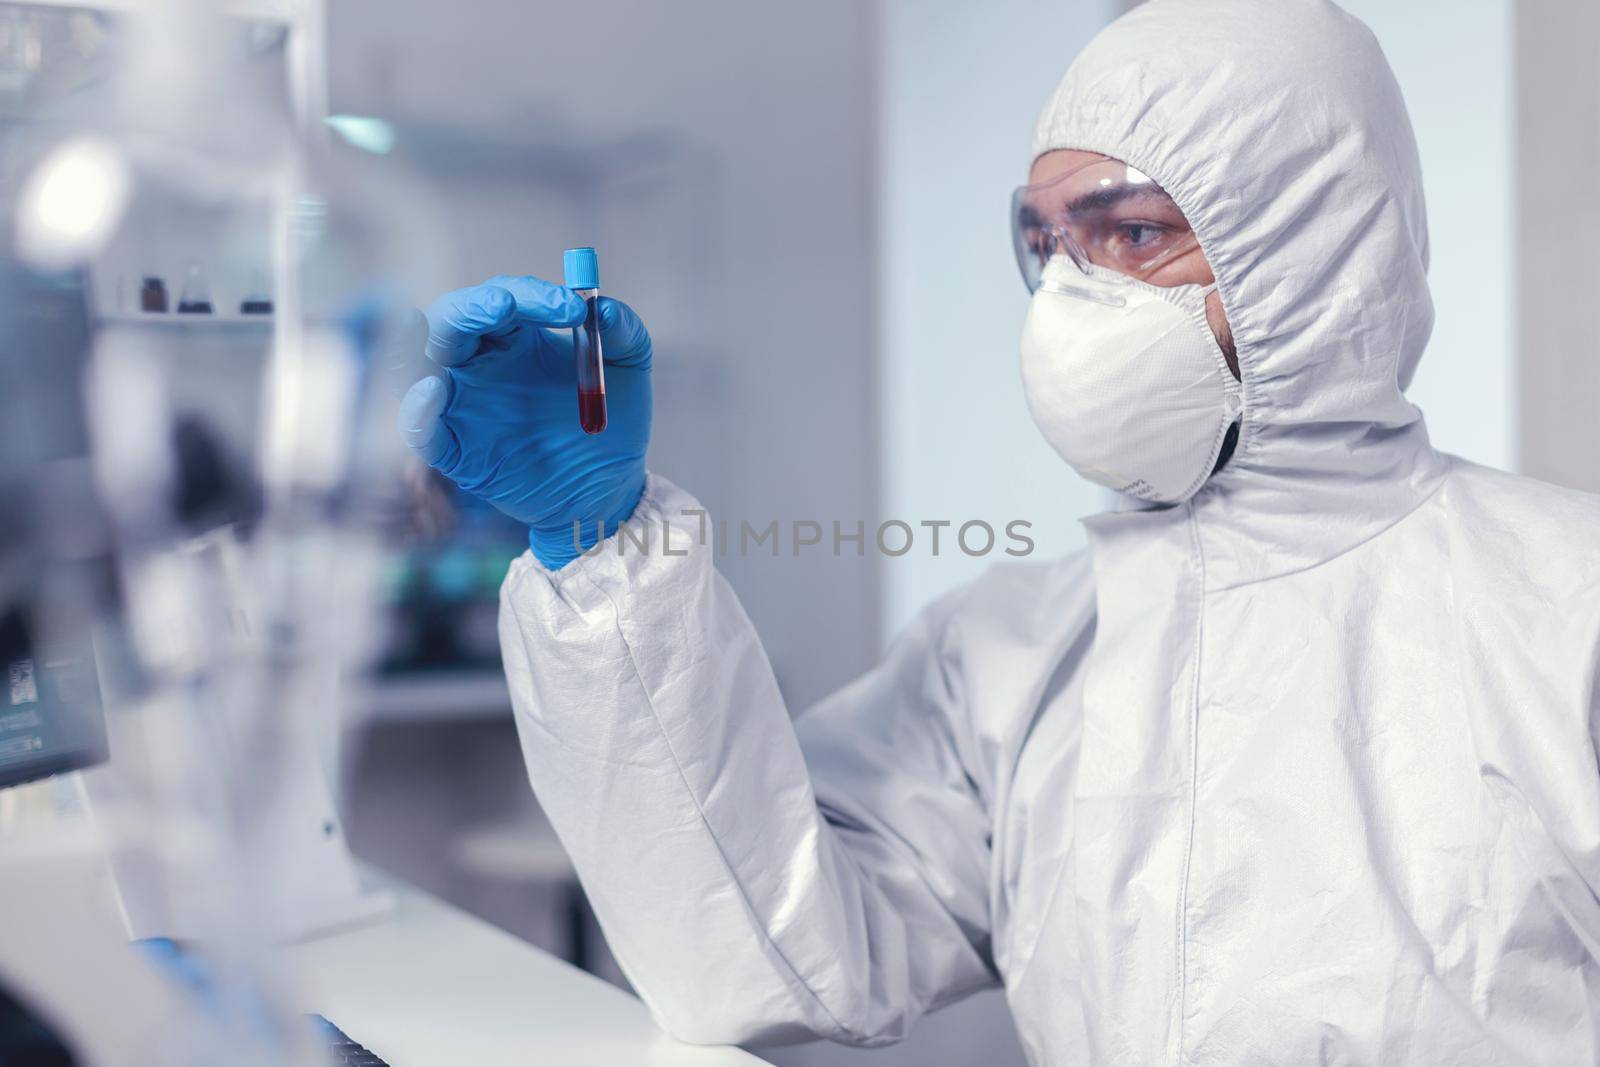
(592, 410)
(586, 349)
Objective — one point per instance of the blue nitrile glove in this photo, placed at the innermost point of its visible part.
(501, 419)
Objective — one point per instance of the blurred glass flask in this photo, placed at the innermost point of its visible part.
(258, 300)
(195, 297)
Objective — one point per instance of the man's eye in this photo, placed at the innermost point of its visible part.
(1139, 234)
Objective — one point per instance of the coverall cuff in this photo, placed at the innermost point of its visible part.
(558, 547)
(650, 526)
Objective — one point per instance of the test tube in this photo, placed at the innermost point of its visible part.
(582, 269)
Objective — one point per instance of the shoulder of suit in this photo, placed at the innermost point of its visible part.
(1520, 532)
(1024, 598)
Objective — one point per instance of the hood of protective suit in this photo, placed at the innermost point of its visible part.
(1278, 128)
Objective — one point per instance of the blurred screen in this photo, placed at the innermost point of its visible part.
(50, 713)
(50, 720)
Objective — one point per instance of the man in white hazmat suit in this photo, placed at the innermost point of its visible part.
(1295, 764)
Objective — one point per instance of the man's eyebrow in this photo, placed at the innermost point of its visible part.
(1100, 199)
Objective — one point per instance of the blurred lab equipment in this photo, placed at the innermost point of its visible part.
(496, 419)
(442, 592)
(257, 299)
(582, 270)
(218, 564)
(195, 299)
(153, 294)
(51, 721)
(54, 563)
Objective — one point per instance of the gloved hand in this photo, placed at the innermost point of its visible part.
(501, 419)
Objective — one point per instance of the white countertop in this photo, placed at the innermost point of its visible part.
(430, 986)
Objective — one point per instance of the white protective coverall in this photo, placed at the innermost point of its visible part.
(1300, 771)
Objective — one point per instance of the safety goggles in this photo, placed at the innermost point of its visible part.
(1104, 213)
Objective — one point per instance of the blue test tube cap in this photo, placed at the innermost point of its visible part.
(581, 267)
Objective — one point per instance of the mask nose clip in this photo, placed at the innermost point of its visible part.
(1110, 299)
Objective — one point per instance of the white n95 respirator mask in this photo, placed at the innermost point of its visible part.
(1126, 381)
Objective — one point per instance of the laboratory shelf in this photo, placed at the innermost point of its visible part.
(258, 10)
(172, 320)
(425, 696)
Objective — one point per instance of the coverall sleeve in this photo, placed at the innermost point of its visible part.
(748, 898)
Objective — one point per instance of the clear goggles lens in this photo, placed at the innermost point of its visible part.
(1104, 213)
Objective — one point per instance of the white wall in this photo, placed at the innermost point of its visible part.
(961, 86)
(1557, 158)
(1454, 60)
